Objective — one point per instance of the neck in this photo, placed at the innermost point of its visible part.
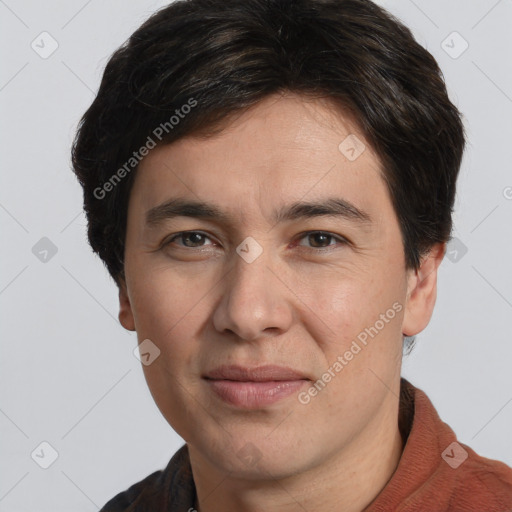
(349, 481)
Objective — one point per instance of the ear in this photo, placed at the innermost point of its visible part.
(125, 308)
(422, 291)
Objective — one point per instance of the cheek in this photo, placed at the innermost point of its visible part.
(172, 318)
(161, 300)
(172, 391)
(358, 317)
(347, 302)
(362, 349)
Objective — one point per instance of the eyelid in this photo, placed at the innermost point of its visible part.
(341, 239)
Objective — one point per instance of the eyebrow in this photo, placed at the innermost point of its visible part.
(330, 207)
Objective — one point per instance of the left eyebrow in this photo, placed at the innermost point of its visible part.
(329, 207)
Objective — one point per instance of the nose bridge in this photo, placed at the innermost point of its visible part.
(252, 299)
(248, 276)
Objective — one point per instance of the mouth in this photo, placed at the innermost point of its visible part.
(254, 388)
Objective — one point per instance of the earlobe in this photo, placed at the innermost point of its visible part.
(125, 309)
(422, 292)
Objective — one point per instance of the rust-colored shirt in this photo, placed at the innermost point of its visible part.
(435, 473)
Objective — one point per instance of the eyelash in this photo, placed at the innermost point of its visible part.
(340, 239)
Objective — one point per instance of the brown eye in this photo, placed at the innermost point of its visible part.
(191, 239)
(321, 239)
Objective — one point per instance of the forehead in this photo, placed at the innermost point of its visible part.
(282, 149)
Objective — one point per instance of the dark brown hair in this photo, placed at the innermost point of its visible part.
(194, 64)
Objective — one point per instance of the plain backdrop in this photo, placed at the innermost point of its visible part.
(68, 374)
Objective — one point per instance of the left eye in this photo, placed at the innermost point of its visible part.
(321, 239)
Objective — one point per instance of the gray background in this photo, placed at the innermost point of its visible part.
(67, 369)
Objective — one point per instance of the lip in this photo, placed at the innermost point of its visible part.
(254, 388)
(264, 373)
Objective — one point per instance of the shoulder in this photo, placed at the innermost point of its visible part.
(436, 472)
(458, 476)
(169, 489)
(481, 484)
(141, 494)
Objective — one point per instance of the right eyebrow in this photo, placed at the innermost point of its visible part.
(185, 208)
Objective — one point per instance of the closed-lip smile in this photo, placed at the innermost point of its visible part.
(256, 387)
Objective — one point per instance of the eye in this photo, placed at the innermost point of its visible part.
(322, 239)
(313, 240)
(190, 239)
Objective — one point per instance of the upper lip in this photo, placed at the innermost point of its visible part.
(256, 374)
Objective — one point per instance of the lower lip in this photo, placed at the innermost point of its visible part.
(253, 395)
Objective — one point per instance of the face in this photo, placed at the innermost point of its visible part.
(279, 298)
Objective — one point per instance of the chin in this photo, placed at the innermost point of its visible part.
(256, 457)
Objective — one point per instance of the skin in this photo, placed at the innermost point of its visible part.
(301, 304)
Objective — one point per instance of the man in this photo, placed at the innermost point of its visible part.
(270, 183)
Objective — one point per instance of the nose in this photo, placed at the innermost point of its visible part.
(254, 301)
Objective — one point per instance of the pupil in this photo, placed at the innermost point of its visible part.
(320, 238)
(194, 237)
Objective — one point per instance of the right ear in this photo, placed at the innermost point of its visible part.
(125, 308)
